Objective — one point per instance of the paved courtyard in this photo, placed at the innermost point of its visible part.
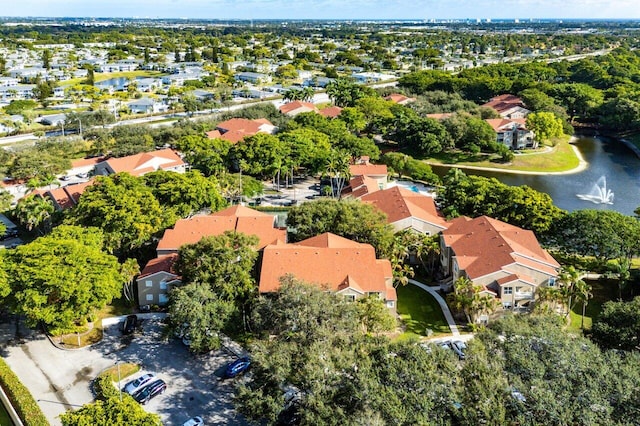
(60, 379)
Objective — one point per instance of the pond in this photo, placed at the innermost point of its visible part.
(609, 160)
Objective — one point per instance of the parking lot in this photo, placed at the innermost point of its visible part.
(60, 379)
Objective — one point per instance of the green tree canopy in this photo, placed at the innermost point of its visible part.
(62, 278)
(545, 125)
(186, 193)
(111, 412)
(350, 219)
(518, 205)
(124, 209)
(604, 234)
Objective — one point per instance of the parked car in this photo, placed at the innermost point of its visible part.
(135, 385)
(237, 367)
(83, 175)
(152, 389)
(129, 325)
(194, 421)
(458, 347)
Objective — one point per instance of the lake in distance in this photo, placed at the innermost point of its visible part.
(606, 157)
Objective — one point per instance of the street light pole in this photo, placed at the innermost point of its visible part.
(80, 123)
(119, 388)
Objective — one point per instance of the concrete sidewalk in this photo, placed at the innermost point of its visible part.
(443, 306)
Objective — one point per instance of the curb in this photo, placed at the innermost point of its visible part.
(12, 412)
(105, 323)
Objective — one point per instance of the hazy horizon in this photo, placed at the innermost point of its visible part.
(327, 9)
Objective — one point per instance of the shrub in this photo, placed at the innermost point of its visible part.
(20, 398)
(103, 387)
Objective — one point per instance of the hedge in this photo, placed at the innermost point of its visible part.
(24, 404)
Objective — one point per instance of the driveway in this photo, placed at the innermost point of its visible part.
(59, 380)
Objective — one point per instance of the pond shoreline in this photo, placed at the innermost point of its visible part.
(582, 165)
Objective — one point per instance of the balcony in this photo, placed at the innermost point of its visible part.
(522, 295)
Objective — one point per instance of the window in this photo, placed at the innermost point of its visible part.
(518, 289)
(163, 285)
(148, 283)
(552, 282)
(163, 298)
(350, 297)
(149, 297)
(507, 290)
(391, 303)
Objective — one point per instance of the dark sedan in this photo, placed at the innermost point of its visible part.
(145, 394)
(237, 367)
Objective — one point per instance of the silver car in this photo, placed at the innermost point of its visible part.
(138, 383)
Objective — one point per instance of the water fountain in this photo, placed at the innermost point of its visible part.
(599, 193)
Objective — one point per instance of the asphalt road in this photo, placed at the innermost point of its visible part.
(59, 379)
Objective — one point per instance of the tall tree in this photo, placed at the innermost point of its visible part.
(125, 209)
(61, 279)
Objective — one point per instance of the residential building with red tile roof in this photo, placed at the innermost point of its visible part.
(508, 106)
(513, 132)
(235, 218)
(505, 259)
(156, 280)
(236, 129)
(400, 99)
(291, 109)
(140, 164)
(408, 210)
(331, 112)
(359, 186)
(329, 261)
(65, 197)
(377, 172)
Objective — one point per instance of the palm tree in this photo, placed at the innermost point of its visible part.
(569, 278)
(583, 293)
(621, 273)
(338, 170)
(129, 270)
(307, 94)
(35, 212)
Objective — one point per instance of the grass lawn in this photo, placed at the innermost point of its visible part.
(419, 311)
(126, 370)
(603, 291)
(560, 158)
(118, 307)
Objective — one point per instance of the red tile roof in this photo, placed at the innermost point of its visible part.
(484, 245)
(504, 102)
(398, 98)
(398, 203)
(146, 162)
(330, 112)
(292, 107)
(236, 129)
(368, 169)
(235, 218)
(359, 186)
(160, 264)
(499, 124)
(329, 260)
(66, 196)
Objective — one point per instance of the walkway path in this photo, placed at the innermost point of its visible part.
(443, 306)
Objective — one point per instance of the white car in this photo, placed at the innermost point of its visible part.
(194, 421)
(138, 383)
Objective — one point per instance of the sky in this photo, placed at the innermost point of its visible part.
(326, 9)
